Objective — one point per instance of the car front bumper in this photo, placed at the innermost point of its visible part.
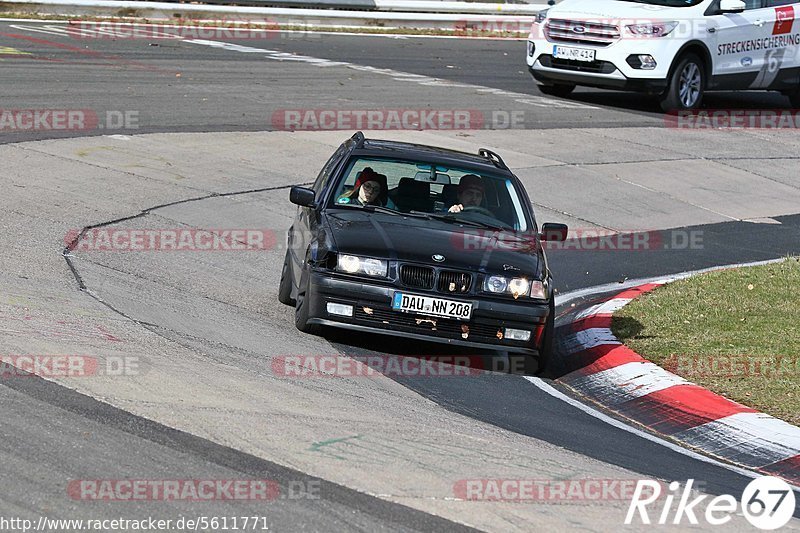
(372, 312)
(554, 76)
(610, 69)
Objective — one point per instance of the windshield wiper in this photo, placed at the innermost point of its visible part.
(371, 208)
(450, 217)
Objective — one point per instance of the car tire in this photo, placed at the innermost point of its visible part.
(685, 86)
(546, 351)
(285, 287)
(794, 98)
(557, 90)
(301, 309)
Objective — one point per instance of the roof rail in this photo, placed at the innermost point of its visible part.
(358, 138)
(493, 157)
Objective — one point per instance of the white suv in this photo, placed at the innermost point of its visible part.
(676, 49)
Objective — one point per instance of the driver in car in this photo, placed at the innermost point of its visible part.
(469, 193)
(368, 190)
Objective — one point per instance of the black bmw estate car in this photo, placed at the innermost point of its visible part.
(421, 242)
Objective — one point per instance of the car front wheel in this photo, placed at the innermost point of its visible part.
(546, 350)
(285, 287)
(686, 85)
(302, 305)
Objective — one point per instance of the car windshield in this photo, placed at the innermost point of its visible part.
(438, 192)
(669, 3)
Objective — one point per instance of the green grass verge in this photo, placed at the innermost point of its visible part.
(735, 332)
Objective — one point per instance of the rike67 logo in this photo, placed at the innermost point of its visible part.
(767, 502)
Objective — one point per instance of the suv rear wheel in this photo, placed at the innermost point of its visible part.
(794, 98)
(686, 85)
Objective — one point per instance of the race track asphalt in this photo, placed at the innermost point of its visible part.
(220, 312)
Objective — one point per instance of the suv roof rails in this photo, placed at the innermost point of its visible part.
(358, 138)
(493, 157)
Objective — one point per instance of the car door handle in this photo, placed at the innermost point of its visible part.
(759, 23)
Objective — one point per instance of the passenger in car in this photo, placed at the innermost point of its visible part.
(369, 189)
(469, 193)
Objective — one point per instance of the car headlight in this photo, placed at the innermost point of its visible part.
(540, 16)
(515, 287)
(373, 267)
(519, 287)
(348, 263)
(495, 284)
(353, 264)
(659, 29)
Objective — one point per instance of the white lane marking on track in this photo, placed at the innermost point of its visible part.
(589, 338)
(746, 437)
(88, 32)
(626, 382)
(609, 307)
(549, 389)
(526, 99)
(232, 46)
(567, 297)
(61, 32)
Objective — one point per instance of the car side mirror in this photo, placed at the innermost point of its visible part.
(732, 6)
(302, 196)
(553, 232)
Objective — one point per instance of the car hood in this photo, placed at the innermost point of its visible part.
(614, 10)
(418, 240)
